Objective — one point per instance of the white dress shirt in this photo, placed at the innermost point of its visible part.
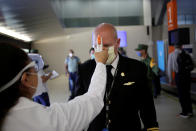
(75, 115)
(114, 65)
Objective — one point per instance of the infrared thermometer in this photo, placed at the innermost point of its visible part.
(99, 44)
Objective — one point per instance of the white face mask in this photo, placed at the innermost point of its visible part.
(92, 56)
(39, 81)
(111, 56)
(70, 54)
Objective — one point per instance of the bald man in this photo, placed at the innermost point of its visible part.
(127, 97)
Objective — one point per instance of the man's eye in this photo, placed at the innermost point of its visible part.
(106, 46)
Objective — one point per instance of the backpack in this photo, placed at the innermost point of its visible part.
(185, 63)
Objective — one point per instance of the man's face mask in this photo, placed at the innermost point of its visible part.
(111, 56)
(92, 56)
(139, 53)
(70, 54)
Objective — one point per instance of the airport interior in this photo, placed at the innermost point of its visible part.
(57, 34)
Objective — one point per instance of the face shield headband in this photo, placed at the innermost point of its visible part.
(17, 77)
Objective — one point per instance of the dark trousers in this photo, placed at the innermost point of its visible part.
(183, 83)
(42, 99)
(72, 81)
(157, 85)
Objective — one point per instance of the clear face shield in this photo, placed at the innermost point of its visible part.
(17, 77)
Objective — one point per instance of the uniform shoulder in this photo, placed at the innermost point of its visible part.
(134, 65)
(133, 62)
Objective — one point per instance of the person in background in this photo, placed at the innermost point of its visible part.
(152, 68)
(19, 82)
(92, 57)
(92, 53)
(181, 63)
(41, 95)
(128, 98)
(122, 51)
(71, 69)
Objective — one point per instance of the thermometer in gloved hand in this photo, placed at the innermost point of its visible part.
(99, 44)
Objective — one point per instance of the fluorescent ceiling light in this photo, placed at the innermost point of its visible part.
(14, 34)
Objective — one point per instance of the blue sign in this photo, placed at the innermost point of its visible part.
(161, 55)
(123, 38)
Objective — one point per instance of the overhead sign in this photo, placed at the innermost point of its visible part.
(172, 15)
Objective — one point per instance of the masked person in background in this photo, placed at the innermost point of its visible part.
(71, 69)
(122, 52)
(152, 68)
(92, 53)
(20, 80)
(126, 89)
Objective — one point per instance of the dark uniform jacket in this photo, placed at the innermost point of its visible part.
(130, 99)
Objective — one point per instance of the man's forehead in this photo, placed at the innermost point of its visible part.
(106, 36)
(104, 32)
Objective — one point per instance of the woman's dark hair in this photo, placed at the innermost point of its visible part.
(91, 49)
(13, 60)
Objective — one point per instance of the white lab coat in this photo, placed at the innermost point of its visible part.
(72, 116)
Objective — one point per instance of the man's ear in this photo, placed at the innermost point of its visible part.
(25, 80)
(118, 42)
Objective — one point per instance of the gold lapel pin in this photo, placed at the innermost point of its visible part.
(122, 74)
(129, 83)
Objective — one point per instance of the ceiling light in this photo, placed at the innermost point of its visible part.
(14, 34)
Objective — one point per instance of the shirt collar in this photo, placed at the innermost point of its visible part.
(115, 62)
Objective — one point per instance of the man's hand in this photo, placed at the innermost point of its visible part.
(67, 74)
(101, 56)
(46, 77)
(152, 63)
(50, 74)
